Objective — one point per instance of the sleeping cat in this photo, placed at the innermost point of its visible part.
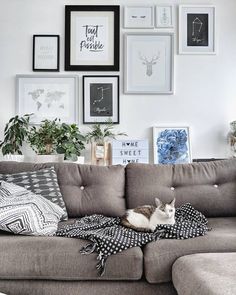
(146, 218)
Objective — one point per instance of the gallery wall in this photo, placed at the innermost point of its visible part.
(205, 88)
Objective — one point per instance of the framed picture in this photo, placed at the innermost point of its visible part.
(139, 17)
(171, 145)
(149, 63)
(92, 36)
(100, 99)
(197, 29)
(46, 53)
(47, 97)
(164, 16)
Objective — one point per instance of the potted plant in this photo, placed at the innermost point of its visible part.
(98, 137)
(15, 133)
(70, 142)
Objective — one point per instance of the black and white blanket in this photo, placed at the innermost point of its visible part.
(108, 237)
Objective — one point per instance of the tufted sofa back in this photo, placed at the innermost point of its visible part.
(86, 189)
(210, 186)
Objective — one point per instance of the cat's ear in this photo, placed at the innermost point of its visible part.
(158, 202)
(172, 203)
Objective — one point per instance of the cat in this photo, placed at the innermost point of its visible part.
(146, 218)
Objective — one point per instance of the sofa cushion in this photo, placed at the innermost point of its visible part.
(159, 256)
(23, 212)
(211, 274)
(86, 189)
(42, 182)
(210, 187)
(57, 258)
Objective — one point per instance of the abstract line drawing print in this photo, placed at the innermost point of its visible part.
(149, 63)
(197, 29)
(101, 100)
(164, 17)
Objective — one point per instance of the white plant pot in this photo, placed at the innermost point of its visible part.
(16, 158)
(48, 158)
(80, 160)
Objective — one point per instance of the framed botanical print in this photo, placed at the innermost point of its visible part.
(149, 63)
(138, 17)
(47, 97)
(164, 16)
(92, 35)
(197, 29)
(100, 99)
(171, 145)
(46, 53)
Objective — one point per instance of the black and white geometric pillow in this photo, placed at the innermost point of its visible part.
(23, 212)
(41, 182)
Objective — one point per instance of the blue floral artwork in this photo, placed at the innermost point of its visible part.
(172, 146)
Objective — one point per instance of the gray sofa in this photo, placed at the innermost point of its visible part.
(53, 265)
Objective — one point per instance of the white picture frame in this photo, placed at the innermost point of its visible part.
(149, 63)
(197, 29)
(47, 97)
(164, 16)
(171, 145)
(139, 17)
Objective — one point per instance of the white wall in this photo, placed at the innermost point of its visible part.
(205, 86)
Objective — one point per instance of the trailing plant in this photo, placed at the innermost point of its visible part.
(70, 142)
(100, 133)
(15, 133)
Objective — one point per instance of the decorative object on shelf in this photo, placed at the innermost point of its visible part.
(197, 29)
(130, 151)
(54, 141)
(92, 36)
(149, 63)
(47, 97)
(46, 53)
(100, 147)
(139, 17)
(100, 99)
(165, 16)
(15, 133)
(232, 139)
(171, 145)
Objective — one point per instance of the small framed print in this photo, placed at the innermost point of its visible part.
(92, 36)
(46, 53)
(139, 17)
(149, 63)
(164, 16)
(47, 97)
(100, 99)
(197, 29)
(171, 145)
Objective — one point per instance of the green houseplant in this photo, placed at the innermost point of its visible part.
(15, 133)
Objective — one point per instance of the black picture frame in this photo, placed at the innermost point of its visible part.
(76, 66)
(57, 68)
(106, 100)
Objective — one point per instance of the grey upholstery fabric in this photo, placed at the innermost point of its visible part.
(205, 274)
(38, 287)
(56, 258)
(159, 256)
(86, 189)
(210, 187)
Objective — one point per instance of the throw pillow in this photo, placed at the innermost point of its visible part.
(41, 182)
(23, 212)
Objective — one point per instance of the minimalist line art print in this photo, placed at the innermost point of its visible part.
(197, 29)
(101, 100)
(164, 18)
(149, 63)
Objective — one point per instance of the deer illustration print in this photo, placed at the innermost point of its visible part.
(149, 63)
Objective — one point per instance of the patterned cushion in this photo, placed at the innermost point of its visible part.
(23, 212)
(42, 182)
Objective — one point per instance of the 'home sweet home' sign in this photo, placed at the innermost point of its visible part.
(130, 151)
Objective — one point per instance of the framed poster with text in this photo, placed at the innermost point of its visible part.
(92, 36)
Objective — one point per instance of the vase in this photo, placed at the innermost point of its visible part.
(16, 158)
(48, 158)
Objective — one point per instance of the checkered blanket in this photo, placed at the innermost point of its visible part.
(108, 237)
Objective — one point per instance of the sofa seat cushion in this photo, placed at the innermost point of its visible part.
(211, 274)
(159, 256)
(57, 258)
